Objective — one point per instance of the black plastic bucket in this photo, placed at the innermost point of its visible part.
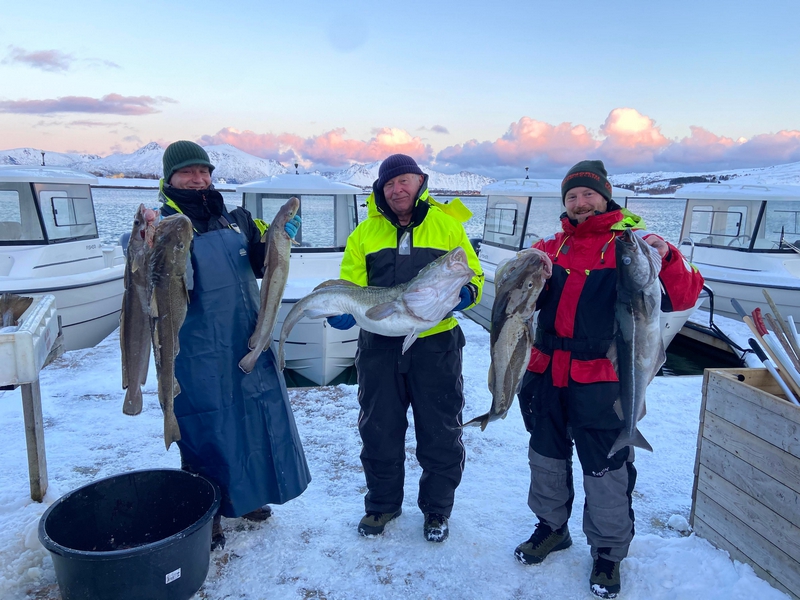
(139, 535)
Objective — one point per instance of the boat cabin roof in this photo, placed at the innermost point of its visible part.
(39, 174)
(537, 188)
(739, 191)
(297, 185)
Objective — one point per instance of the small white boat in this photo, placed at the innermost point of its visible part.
(329, 211)
(520, 212)
(745, 238)
(49, 245)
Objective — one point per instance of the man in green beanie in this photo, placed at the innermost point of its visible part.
(569, 394)
(237, 429)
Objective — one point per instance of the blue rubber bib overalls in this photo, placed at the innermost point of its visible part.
(238, 430)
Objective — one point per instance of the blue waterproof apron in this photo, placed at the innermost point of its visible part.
(236, 429)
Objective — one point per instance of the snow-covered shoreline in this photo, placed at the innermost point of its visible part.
(310, 548)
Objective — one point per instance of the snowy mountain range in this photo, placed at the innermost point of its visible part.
(232, 166)
(661, 182)
(235, 166)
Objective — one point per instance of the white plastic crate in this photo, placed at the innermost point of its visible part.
(23, 352)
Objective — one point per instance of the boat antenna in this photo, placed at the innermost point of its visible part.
(295, 169)
(42, 157)
(526, 173)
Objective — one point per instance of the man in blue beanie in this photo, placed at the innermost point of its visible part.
(405, 230)
(237, 429)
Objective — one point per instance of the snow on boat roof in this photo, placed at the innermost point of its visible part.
(39, 174)
(297, 184)
(739, 191)
(537, 188)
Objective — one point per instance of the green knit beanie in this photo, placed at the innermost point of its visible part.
(184, 154)
(587, 173)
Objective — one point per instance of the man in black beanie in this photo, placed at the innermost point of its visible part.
(404, 231)
(231, 423)
(569, 394)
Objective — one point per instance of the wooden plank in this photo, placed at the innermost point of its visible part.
(780, 532)
(765, 424)
(777, 564)
(704, 530)
(753, 450)
(757, 388)
(34, 439)
(706, 375)
(758, 485)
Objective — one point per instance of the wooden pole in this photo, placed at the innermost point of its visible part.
(34, 438)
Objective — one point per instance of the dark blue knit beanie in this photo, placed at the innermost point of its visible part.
(396, 164)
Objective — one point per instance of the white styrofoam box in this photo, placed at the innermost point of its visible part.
(23, 352)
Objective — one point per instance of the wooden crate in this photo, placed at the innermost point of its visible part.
(746, 494)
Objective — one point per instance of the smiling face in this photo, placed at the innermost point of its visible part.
(582, 202)
(401, 194)
(193, 177)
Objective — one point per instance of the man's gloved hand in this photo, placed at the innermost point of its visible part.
(464, 298)
(292, 226)
(342, 322)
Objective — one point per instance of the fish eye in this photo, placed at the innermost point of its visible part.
(626, 260)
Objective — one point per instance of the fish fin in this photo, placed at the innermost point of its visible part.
(332, 282)
(626, 439)
(651, 303)
(133, 401)
(618, 409)
(153, 305)
(424, 303)
(249, 362)
(381, 311)
(410, 339)
(318, 313)
(491, 377)
(172, 432)
(176, 387)
(481, 422)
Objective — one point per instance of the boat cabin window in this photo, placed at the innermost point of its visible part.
(327, 219)
(543, 220)
(720, 224)
(504, 218)
(779, 227)
(67, 213)
(19, 221)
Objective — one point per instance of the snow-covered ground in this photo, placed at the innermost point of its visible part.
(310, 548)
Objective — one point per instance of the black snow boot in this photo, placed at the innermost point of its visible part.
(435, 528)
(543, 541)
(217, 537)
(604, 580)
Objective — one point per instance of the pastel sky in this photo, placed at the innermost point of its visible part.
(488, 87)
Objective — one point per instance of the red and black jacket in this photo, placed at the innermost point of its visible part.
(576, 308)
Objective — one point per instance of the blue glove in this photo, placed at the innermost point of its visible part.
(464, 298)
(292, 226)
(342, 322)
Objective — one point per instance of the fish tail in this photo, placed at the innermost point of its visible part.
(248, 363)
(133, 400)
(481, 422)
(625, 438)
(172, 432)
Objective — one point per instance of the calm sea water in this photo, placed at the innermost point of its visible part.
(115, 209)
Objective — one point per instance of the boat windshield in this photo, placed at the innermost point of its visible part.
(327, 219)
(751, 226)
(67, 212)
(19, 221)
(506, 214)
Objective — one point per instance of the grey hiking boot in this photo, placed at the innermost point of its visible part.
(543, 541)
(604, 580)
(435, 528)
(373, 523)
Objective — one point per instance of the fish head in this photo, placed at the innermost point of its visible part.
(638, 263)
(519, 281)
(286, 213)
(144, 225)
(445, 276)
(172, 240)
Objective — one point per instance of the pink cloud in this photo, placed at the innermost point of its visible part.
(630, 137)
(331, 148)
(114, 104)
(47, 60)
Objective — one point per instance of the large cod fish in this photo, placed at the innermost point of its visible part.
(639, 346)
(169, 298)
(518, 283)
(276, 272)
(404, 310)
(134, 320)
